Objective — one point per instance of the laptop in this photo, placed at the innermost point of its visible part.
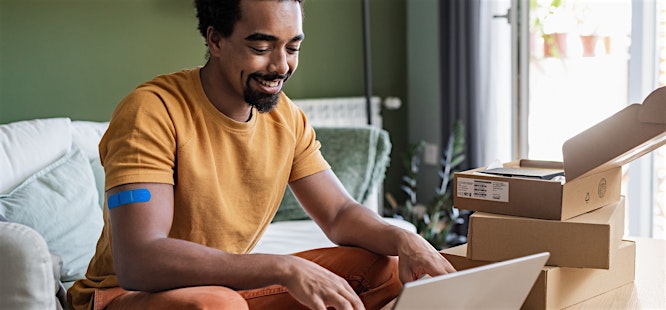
(501, 285)
(538, 173)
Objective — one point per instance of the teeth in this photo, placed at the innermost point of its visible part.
(269, 83)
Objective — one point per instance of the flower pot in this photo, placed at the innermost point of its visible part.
(555, 45)
(589, 45)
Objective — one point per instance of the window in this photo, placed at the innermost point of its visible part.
(575, 63)
(659, 211)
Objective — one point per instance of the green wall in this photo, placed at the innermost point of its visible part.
(423, 87)
(331, 62)
(79, 58)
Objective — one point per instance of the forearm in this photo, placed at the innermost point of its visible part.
(167, 263)
(358, 226)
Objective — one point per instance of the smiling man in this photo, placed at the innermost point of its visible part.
(196, 165)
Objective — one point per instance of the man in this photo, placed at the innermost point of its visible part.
(196, 164)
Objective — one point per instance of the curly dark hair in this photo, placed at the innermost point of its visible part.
(221, 14)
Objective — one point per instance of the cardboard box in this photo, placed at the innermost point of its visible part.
(586, 241)
(592, 162)
(561, 287)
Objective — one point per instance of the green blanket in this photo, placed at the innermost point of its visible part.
(359, 157)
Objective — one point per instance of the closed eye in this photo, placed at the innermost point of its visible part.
(259, 50)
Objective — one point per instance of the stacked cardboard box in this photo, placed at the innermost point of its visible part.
(588, 256)
(580, 221)
(561, 287)
(586, 241)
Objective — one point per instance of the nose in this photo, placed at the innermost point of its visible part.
(279, 63)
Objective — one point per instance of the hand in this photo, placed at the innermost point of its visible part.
(418, 258)
(318, 288)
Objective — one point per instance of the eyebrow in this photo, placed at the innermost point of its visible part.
(257, 36)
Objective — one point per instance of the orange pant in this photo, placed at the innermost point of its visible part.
(373, 277)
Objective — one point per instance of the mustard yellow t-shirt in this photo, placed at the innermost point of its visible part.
(229, 177)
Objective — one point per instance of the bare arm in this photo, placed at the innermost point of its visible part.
(146, 259)
(346, 222)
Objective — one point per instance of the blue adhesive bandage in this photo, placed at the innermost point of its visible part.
(130, 196)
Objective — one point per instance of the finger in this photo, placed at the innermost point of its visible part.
(406, 275)
(436, 265)
(445, 266)
(348, 293)
(341, 304)
(317, 303)
(449, 268)
(353, 300)
(438, 270)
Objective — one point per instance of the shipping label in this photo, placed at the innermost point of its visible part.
(483, 189)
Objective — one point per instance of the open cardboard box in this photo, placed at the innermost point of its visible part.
(592, 164)
(561, 287)
(590, 240)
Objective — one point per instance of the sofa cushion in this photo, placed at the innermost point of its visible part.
(288, 237)
(61, 203)
(86, 135)
(98, 172)
(26, 276)
(14, 271)
(28, 146)
(357, 155)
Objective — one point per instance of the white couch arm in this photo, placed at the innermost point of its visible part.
(26, 269)
(295, 236)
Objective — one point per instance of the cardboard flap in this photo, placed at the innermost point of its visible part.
(653, 109)
(619, 139)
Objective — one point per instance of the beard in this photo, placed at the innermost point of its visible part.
(263, 102)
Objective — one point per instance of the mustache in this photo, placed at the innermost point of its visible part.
(270, 76)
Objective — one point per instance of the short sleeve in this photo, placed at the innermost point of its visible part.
(140, 143)
(307, 155)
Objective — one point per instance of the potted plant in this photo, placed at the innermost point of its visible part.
(435, 219)
(589, 27)
(553, 21)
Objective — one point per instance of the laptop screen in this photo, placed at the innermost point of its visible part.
(501, 285)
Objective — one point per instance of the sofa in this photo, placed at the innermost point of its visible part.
(51, 202)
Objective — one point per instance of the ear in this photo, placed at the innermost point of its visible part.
(214, 41)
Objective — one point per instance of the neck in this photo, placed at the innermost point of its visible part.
(249, 117)
(221, 99)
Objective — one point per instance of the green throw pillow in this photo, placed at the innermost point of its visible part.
(358, 156)
(61, 203)
(290, 209)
